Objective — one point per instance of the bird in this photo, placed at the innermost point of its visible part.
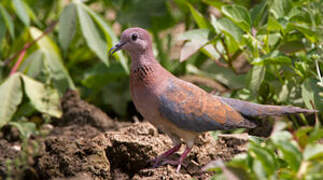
(179, 108)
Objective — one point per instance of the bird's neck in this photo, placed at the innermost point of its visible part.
(145, 69)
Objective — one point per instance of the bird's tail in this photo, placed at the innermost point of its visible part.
(249, 109)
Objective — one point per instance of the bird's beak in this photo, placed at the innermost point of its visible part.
(116, 48)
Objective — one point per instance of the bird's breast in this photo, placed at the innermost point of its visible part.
(146, 84)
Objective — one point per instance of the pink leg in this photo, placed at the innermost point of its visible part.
(166, 154)
(180, 160)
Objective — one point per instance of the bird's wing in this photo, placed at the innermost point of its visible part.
(191, 108)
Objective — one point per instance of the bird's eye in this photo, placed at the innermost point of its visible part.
(134, 37)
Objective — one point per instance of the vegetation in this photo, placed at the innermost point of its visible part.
(47, 47)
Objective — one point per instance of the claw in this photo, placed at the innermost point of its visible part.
(165, 155)
(178, 162)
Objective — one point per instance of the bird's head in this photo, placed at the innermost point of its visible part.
(135, 41)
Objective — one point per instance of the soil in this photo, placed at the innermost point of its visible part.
(87, 144)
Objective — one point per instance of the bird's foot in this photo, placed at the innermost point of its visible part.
(177, 163)
(157, 161)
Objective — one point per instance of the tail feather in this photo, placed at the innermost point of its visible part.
(249, 109)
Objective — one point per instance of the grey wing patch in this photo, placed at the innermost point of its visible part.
(189, 121)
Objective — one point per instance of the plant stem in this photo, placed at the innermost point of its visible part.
(29, 44)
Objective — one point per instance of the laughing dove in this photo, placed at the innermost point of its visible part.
(179, 108)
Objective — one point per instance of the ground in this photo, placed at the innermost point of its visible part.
(87, 144)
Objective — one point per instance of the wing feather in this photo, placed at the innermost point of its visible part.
(191, 108)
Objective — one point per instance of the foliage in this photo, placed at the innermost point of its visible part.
(285, 155)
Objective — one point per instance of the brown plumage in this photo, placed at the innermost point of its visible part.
(179, 108)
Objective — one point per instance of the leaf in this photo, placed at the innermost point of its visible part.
(52, 60)
(21, 12)
(266, 158)
(99, 76)
(226, 26)
(221, 74)
(239, 15)
(92, 35)
(258, 13)
(216, 4)
(233, 34)
(110, 37)
(272, 60)
(67, 26)
(313, 151)
(292, 46)
(31, 14)
(146, 14)
(257, 76)
(10, 97)
(197, 16)
(310, 92)
(8, 21)
(290, 154)
(33, 64)
(196, 39)
(42, 97)
(308, 33)
(3, 28)
(273, 24)
(302, 135)
(25, 128)
(280, 8)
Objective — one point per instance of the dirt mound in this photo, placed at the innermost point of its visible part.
(77, 111)
(126, 154)
(71, 153)
(87, 144)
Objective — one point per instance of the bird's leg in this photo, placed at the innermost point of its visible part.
(180, 160)
(166, 154)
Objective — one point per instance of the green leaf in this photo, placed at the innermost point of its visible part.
(239, 15)
(52, 60)
(292, 46)
(110, 37)
(42, 97)
(32, 14)
(233, 34)
(11, 97)
(198, 17)
(266, 158)
(272, 60)
(25, 128)
(221, 74)
(99, 76)
(280, 8)
(21, 12)
(3, 28)
(310, 92)
(313, 151)
(195, 39)
(92, 35)
(67, 26)
(216, 4)
(304, 29)
(8, 21)
(258, 14)
(302, 135)
(257, 76)
(33, 65)
(291, 154)
(273, 24)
